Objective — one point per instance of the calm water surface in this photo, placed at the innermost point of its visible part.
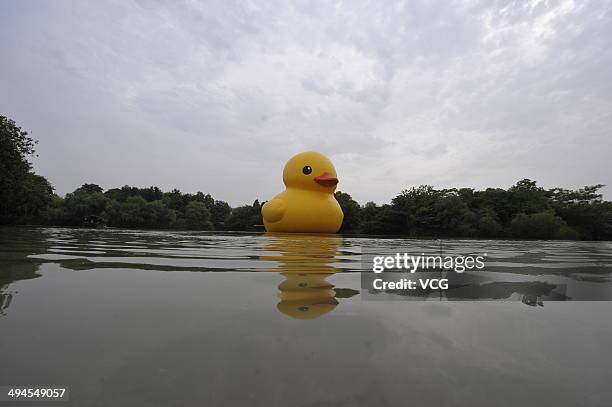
(135, 318)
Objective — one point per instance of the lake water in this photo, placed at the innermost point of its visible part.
(141, 318)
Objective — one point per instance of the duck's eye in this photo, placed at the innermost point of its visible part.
(307, 169)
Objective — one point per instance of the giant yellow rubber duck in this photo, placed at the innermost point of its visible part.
(308, 204)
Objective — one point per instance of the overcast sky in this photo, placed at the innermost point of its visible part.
(216, 96)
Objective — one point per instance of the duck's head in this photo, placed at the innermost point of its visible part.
(310, 170)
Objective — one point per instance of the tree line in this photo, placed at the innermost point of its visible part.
(524, 210)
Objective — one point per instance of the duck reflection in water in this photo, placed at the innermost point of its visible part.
(305, 261)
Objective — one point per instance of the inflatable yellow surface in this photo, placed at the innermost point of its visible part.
(308, 204)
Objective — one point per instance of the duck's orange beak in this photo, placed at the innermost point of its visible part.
(326, 179)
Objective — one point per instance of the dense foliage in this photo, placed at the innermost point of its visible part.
(23, 194)
(523, 211)
(131, 207)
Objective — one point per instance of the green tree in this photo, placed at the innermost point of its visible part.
(541, 225)
(89, 189)
(245, 217)
(132, 212)
(17, 183)
(497, 201)
(587, 195)
(55, 212)
(149, 194)
(219, 212)
(488, 224)
(205, 199)
(527, 197)
(33, 199)
(197, 216)
(417, 205)
(351, 210)
(450, 216)
(136, 212)
(176, 200)
(584, 211)
(84, 202)
(386, 220)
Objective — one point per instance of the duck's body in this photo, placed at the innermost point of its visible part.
(302, 211)
(308, 204)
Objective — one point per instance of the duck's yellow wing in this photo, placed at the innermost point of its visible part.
(273, 210)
